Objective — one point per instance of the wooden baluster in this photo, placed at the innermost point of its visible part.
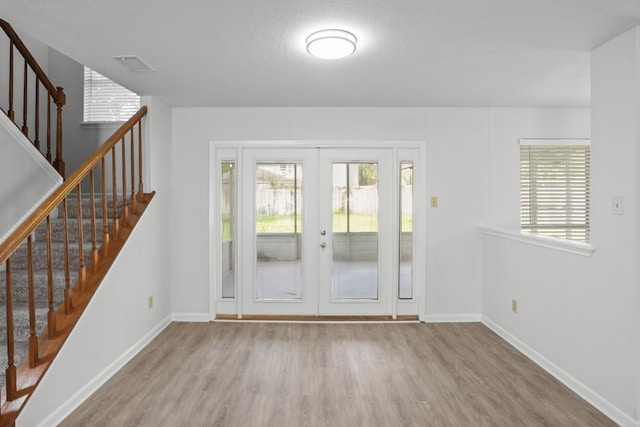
(25, 95)
(67, 279)
(33, 338)
(134, 207)
(51, 316)
(60, 101)
(11, 113)
(94, 247)
(140, 186)
(82, 271)
(125, 208)
(105, 223)
(115, 220)
(36, 141)
(49, 158)
(10, 374)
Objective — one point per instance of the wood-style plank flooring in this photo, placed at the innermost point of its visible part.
(261, 374)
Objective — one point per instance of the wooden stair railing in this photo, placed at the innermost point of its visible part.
(121, 207)
(55, 95)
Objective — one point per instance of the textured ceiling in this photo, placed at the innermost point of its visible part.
(251, 53)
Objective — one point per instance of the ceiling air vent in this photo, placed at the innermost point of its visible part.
(133, 63)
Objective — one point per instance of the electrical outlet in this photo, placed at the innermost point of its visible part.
(150, 302)
(434, 201)
(514, 306)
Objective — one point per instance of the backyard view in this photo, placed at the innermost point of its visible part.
(280, 194)
(290, 222)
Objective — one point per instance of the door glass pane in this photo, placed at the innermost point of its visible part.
(228, 216)
(355, 231)
(405, 290)
(278, 231)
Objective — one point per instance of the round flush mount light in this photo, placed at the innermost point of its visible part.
(331, 44)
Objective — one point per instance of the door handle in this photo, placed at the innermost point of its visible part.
(323, 232)
(323, 245)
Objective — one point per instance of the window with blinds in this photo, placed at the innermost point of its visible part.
(555, 187)
(107, 101)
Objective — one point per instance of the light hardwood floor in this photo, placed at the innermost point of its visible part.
(259, 374)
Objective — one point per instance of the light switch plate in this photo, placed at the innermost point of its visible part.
(617, 205)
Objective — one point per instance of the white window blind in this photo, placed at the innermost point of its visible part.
(107, 101)
(555, 187)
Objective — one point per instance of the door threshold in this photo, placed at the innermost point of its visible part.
(315, 319)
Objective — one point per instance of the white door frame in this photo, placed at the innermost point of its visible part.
(222, 150)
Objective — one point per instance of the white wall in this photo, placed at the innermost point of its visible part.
(637, 271)
(615, 89)
(157, 177)
(26, 178)
(577, 314)
(457, 171)
(118, 313)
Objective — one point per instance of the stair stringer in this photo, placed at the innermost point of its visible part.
(114, 327)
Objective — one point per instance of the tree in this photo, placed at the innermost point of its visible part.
(368, 173)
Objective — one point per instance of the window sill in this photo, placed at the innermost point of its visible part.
(101, 125)
(576, 248)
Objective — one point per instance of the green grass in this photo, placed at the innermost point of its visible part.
(358, 223)
(226, 227)
(407, 223)
(362, 223)
(277, 224)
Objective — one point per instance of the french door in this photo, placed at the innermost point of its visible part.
(355, 232)
(319, 232)
(278, 252)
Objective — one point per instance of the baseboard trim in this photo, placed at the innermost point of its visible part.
(603, 405)
(83, 394)
(190, 317)
(453, 318)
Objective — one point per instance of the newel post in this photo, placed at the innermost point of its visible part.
(60, 100)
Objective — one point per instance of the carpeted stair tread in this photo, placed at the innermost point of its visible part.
(20, 351)
(72, 210)
(57, 230)
(21, 324)
(19, 260)
(20, 285)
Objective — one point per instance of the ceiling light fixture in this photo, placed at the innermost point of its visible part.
(331, 44)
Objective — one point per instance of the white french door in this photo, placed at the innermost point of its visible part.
(319, 232)
(355, 230)
(278, 251)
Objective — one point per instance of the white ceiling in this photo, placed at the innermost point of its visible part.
(251, 53)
